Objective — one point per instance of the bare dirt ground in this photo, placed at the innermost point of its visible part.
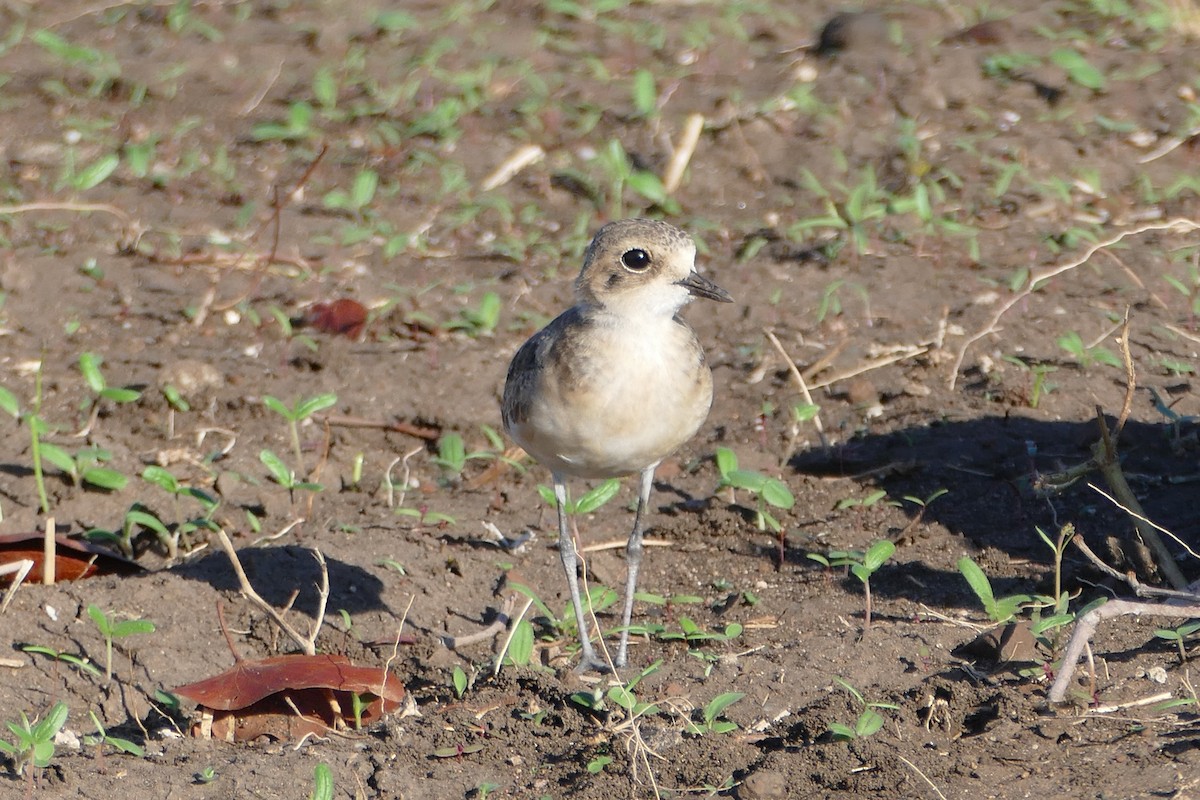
(877, 197)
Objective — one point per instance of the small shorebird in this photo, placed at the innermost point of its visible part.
(615, 383)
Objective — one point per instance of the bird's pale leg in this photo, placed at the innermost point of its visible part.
(633, 558)
(570, 560)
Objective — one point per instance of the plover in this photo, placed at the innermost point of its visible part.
(616, 383)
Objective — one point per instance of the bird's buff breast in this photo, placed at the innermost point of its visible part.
(623, 403)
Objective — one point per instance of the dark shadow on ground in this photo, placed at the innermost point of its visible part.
(990, 467)
(275, 572)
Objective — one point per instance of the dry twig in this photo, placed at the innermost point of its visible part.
(1038, 278)
(307, 643)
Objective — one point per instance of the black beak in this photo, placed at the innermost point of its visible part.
(700, 286)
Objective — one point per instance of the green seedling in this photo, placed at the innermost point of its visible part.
(484, 790)
(1177, 635)
(622, 696)
(998, 609)
(861, 502)
(297, 126)
(284, 476)
(206, 775)
(101, 67)
(426, 517)
(1058, 547)
(479, 321)
(137, 515)
(710, 716)
(37, 429)
(862, 564)
(35, 741)
(1079, 69)
(166, 481)
(9, 404)
(460, 681)
(89, 366)
(692, 633)
(67, 658)
(589, 503)
(869, 720)
(112, 630)
(1039, 373)
(619, 169)
(358, 707)
(452, 455)
(360, 195)
(1086, 356)
(768, 492)
(84, 467)
(322, 783)
(597, 764)
(294, 415)
(872, 560)
(287, 329)
(102, 737)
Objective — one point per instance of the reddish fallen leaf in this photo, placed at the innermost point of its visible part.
(73, 559)
(287, 716)
(346, 317)
(288, 697)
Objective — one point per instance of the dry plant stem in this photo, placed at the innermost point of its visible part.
(82, 207)
(1036, 279)
(407, 428)
(508, 169)
(49, 547)
(498, 625)
(19, 570)
(512, 631)
(800, 382)
(237, 657)
(307, 643)
(1110, 467)
(1085, 626)
(923, 776)
(882, 361)
(275, 222)
(1147, 521)
(684, 150)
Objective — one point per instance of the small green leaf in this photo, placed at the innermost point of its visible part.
(778, 494)
(841, 732)
(645, 93)
(977, 580)
(8, 402)
(97, 172)
(1078, 68)
(58, 457)
(161, 478)
(727, 461)
(100, 618)
(306, 408)
(104, 478)
(118, 395)
(878, 553)
(135, 516)
(746, 479)
(276, 405)
(279, 471)
(130, 627)
(322, 783)
(716, 707)
(89, 365)
(869, 722)
(520, 648)
(598, 496)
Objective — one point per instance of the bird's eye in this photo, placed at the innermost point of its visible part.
(635, 260)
